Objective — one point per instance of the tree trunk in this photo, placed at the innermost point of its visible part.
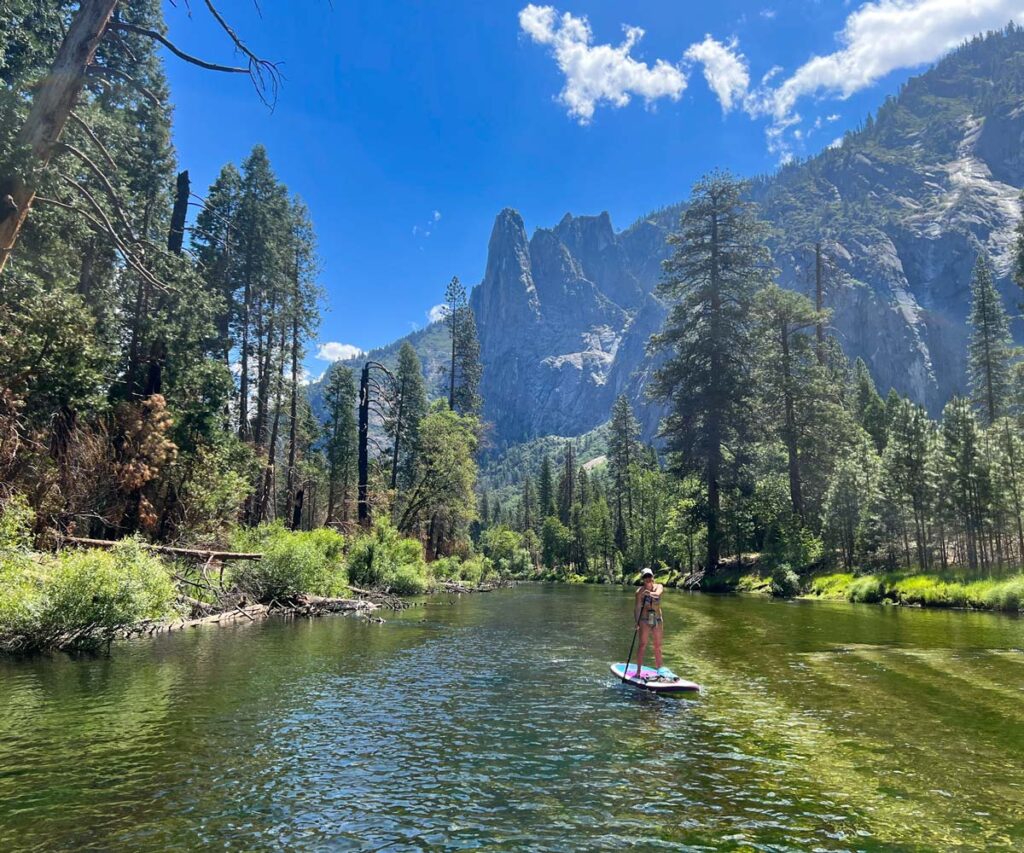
(451, 378)
(294, 408)
(398, 435)
(363, 509)
(51, 107)
(792, 452)
(243, 388)
(265, 498)
(714, 460)
(176, 235)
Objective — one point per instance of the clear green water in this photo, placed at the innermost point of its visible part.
(492, 721)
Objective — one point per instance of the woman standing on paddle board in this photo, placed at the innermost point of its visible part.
(647, 613)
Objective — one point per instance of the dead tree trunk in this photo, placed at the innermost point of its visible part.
(176, 235)
(51, 107)
(364, 452)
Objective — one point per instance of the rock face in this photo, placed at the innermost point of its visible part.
(902, 209)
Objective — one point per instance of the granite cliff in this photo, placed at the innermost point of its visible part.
(902, 208)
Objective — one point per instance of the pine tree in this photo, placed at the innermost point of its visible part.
(623, 450)
(567, 485)
(528, 505)
(1018, 254)
(990, 346)
(340, 402)
(869, 408)
(719, 262)
(468, 367)
(793, 374)
(965, 477)
(464, 370)
(546, 489)
(906, 469)
(407, 412)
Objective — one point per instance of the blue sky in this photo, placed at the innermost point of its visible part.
(406, 125)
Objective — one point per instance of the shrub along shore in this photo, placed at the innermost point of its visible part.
(83, 598)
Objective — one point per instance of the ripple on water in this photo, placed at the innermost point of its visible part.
(492, 722)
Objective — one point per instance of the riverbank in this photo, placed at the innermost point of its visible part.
(84, 594)
(910, 589)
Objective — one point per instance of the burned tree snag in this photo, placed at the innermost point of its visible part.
(362, 495)
(176, 235)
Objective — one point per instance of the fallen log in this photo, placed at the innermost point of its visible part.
(315, 605)
(302, 605)
(198, 553)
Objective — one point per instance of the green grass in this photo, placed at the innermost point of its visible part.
(922, 590)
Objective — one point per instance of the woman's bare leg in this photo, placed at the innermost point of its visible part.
(659, 632)
(645, 633)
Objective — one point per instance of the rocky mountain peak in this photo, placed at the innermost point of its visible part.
(902, 206)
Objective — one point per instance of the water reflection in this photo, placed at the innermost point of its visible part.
(492, 721)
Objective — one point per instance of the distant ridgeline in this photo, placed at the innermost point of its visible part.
(901, 209)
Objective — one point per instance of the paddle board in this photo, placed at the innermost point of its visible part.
(667, 682)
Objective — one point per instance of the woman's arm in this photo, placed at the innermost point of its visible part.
(638, 606)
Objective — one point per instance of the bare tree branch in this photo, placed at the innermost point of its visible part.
(107, 186)
(78, 120)
(100, 72)
(264, 74)
(118, 24)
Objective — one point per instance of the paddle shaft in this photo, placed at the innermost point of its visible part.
(636, 631)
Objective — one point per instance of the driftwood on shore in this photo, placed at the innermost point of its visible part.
(454, 586)
(301, 605)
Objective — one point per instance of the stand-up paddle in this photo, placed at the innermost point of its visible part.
(661, 680)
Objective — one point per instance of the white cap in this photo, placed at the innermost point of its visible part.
(647, 573)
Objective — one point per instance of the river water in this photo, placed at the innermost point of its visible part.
(492, 721)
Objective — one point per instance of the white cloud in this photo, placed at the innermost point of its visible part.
(768, 14)
(333, 351)
(437, 313)
(725, 69)
(877, 38)
(836, 143)
(596, 74)
(886, 35)
(436, 216)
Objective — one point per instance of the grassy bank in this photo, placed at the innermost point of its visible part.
(80, 599)
(915, 589)
(923, 590)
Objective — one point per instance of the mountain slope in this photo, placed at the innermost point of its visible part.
(902, 208)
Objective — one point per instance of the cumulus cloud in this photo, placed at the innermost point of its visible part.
(725, 69)
(877, 38)
(437, 313)
(601, 73)
(334, 351)
(886, 35)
